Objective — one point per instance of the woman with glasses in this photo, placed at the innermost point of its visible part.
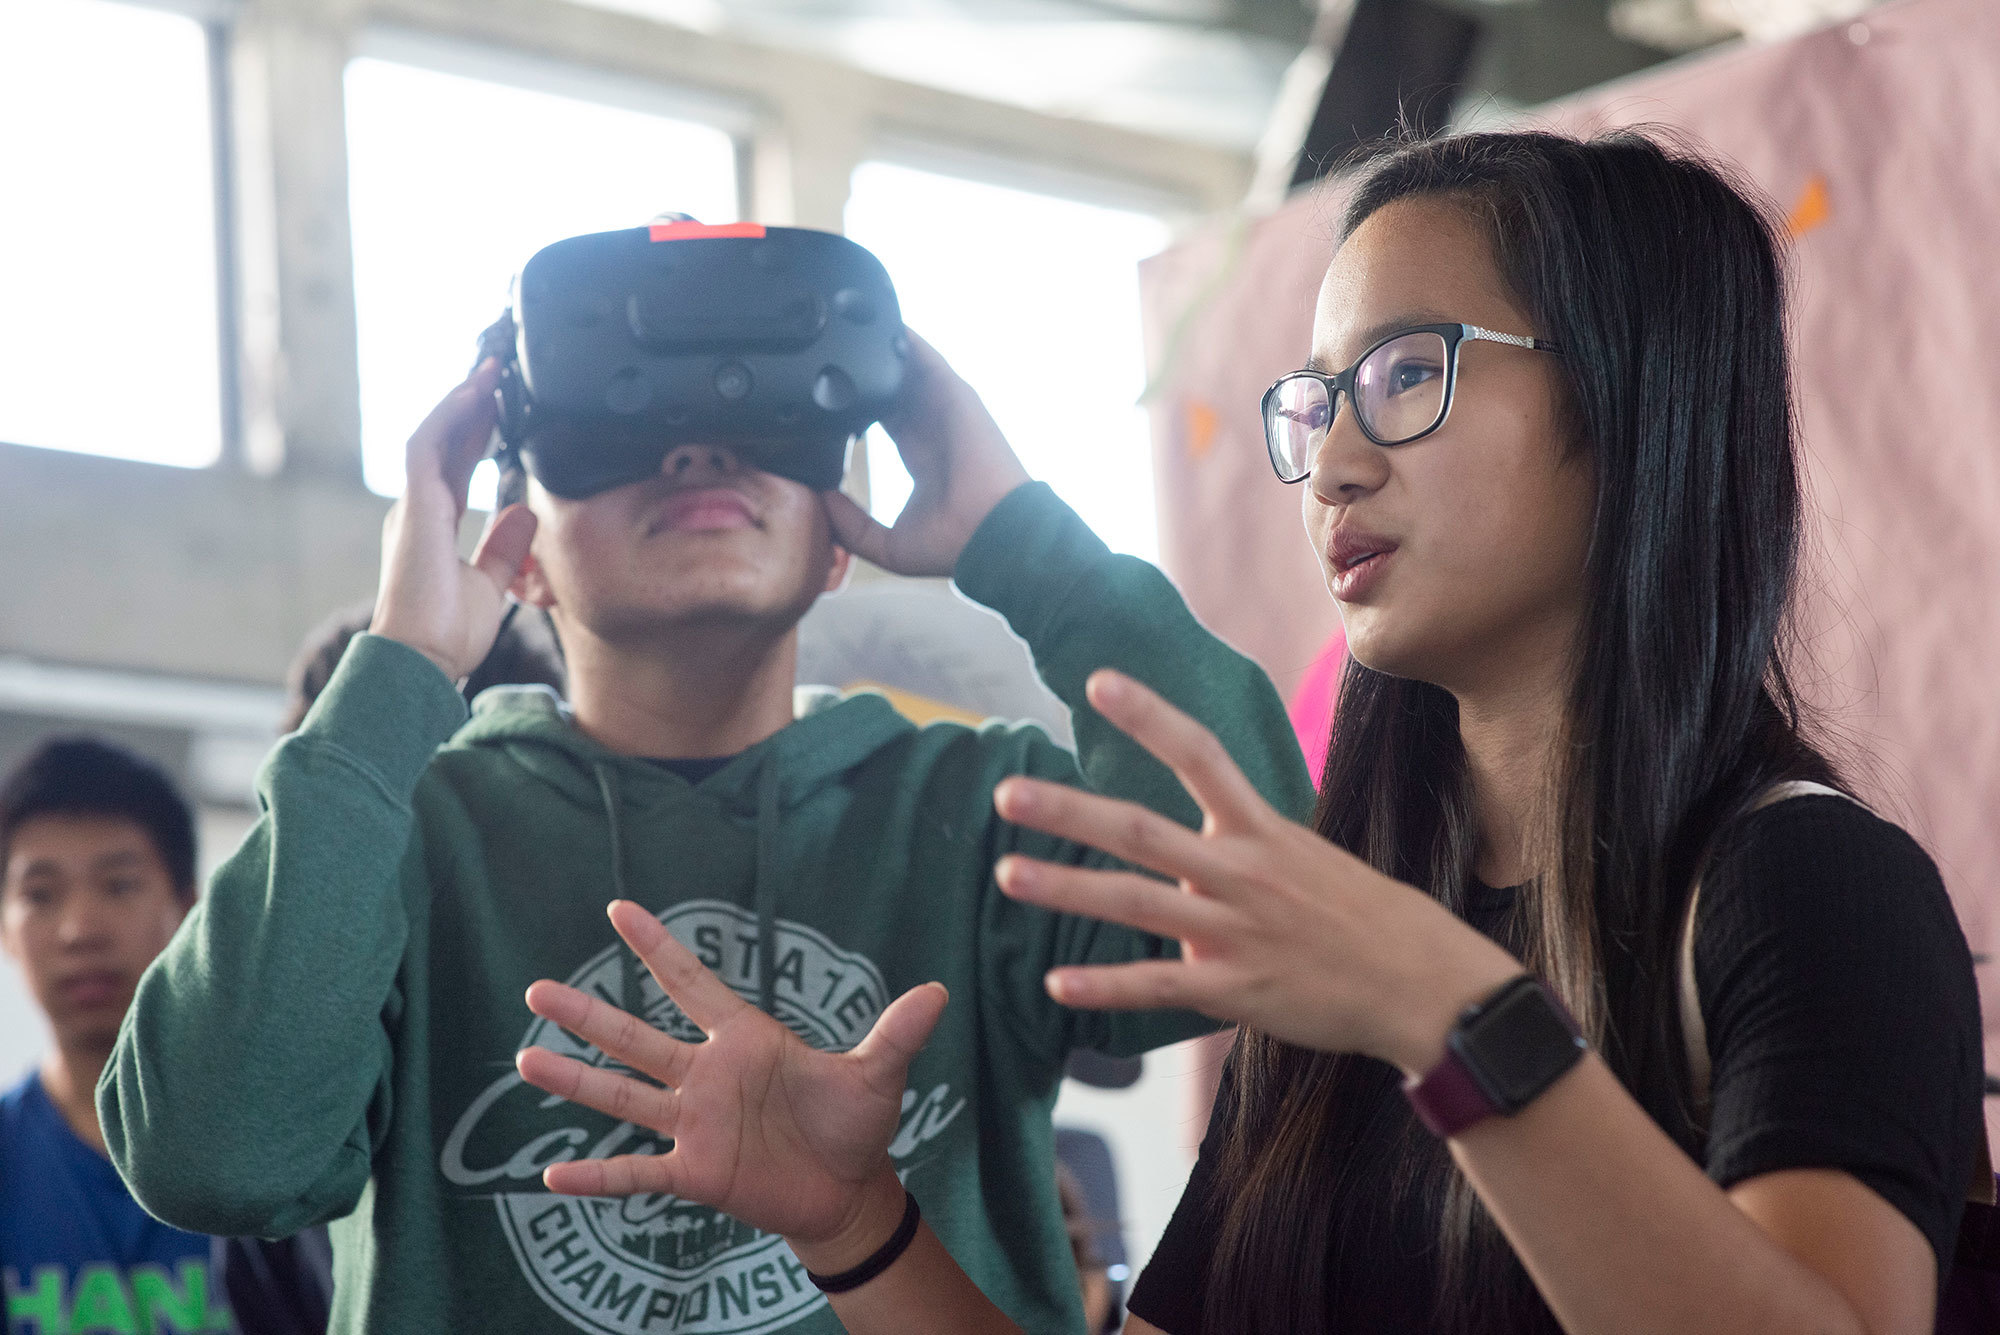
(1588, 1002)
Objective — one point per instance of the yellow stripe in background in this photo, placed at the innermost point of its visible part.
(918, 709)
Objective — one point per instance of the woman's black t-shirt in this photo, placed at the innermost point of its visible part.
(1844, 1028)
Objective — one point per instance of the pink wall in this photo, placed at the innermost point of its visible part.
(1882, 142)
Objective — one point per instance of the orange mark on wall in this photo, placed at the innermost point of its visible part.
(1202, 422)
(1815, 206)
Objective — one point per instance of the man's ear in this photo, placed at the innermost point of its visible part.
(531, 585)
(843, 563)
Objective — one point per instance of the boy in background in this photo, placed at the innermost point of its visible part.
(99, 862)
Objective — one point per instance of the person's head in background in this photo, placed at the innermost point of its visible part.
(524, 654)
(1611, 527)
(99, 858)
(1091, 1275)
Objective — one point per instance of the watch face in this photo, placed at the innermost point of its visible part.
(1517, 1046)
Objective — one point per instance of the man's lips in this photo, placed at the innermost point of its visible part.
(95, 987)
(704, 510)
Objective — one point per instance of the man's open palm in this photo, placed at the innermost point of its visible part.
(765, 1128)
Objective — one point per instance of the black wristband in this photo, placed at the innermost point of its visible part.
(885, 1256)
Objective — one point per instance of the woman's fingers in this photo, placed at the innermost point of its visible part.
(615, 1095)
(1145, 985)
(619, 1034)
(1191, 751)
(1123, 829)
(623, 1175)
(1113, 896)
(702, 997)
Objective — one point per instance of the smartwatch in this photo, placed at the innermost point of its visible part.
(1502, 1053)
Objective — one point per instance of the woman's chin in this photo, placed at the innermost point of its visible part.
(1370, 642)
(1377, 648)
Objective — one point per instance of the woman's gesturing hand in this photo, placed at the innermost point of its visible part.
(785, 1138)
(960, 464)
(1279, 929)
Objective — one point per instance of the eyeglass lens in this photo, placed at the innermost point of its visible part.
(1296, 418)
(1399, 391)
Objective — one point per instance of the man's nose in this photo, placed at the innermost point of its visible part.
(686, 462)
(84, 922)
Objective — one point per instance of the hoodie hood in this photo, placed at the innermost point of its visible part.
(829, 735)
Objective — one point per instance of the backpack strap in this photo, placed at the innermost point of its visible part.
(1694, 1030)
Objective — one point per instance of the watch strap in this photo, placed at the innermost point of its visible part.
(1447, 1098)
(1466, 1086)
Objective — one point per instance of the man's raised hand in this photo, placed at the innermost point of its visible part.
(959, 462)
(765, 1129)
(444, 607)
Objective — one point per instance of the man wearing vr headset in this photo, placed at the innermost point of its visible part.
(334, 1033)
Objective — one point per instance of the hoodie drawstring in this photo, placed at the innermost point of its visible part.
(764, 881)
(633, 980)
(766, 886)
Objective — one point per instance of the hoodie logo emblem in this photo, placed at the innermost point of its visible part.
(647, 1265)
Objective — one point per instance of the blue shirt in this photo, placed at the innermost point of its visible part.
(79, 1256)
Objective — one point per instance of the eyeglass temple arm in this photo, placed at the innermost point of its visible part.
(1516, 340)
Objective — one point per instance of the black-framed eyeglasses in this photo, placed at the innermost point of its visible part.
(1401, 390)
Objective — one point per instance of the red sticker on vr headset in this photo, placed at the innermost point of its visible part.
(694, 231)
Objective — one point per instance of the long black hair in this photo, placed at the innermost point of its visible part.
(1663, 282)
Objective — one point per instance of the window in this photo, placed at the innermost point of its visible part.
(454, 182)
(108, 343)
(1035, 300)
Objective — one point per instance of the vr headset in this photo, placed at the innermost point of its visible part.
(781, 343)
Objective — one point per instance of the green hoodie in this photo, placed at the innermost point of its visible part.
(331, 1034)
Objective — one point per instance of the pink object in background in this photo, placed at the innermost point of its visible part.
(1312, 703)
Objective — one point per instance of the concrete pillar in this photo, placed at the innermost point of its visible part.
(300, 368)
(805, 153)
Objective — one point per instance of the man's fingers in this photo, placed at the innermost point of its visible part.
(471, 430)
(924, 355)
(925, 377)
(615, 1095)
(453, 438)
(624, 1175)
(857, 530)
(900, 1032)
(1113, 896)
(1123, 829)
(1191, 751)
(619, 1034)
(503, 548)
(702, 997)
